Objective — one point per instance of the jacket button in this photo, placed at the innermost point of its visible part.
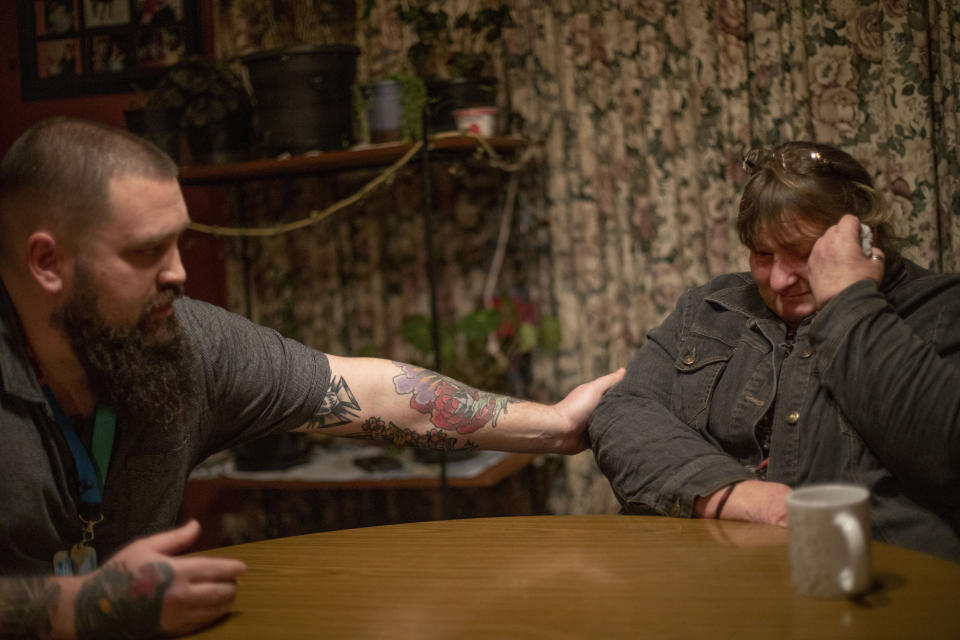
(806, 353)
(793, 417)
(691, 357)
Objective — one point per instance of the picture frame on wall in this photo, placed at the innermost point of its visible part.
(87, 47)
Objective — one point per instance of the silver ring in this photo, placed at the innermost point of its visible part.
(876, 257)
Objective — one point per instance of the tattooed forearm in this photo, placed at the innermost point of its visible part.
(451, 405)
(26, 607)
(376, 429)
(339, 407)
(120, 603)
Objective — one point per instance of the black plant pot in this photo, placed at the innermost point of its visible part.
(304, 96)
(219, 142)
(162, 128)
(445, 96)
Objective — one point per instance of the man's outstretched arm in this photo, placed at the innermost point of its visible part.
(410, 405)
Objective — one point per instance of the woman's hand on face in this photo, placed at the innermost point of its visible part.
(837, 261)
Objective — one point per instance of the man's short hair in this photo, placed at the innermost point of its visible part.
(58, 173)
(811, 182)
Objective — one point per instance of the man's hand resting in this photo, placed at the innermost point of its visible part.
(575, 409)
(144, 592)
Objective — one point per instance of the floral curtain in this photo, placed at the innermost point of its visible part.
(644, 110)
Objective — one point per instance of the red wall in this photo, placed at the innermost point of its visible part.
(201, 254)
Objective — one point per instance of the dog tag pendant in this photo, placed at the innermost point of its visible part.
(62, 564)
(79, 560)
(84, 558)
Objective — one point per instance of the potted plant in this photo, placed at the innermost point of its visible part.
(490, 347)
(301, 61)
(391, 109)
(453, 56)
(160, 127)
(304, 96)
(212, 106)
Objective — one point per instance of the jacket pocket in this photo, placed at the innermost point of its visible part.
(698, 366)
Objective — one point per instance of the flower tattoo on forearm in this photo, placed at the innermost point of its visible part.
(375, 428)
(451, 405)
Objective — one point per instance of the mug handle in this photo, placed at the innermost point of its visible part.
(856, 551)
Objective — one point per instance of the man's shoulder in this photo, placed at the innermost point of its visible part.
(199, 316)
(208, 326)
(197, 307)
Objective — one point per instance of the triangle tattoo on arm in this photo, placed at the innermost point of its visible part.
(339, 407)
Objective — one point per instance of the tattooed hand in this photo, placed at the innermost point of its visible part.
(144, 592)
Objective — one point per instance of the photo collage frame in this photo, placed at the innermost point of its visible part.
(82, 47)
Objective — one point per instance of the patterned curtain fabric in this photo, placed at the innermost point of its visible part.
(644, 110)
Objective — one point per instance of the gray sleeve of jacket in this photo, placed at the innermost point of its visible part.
(895, 373)
(652, 458)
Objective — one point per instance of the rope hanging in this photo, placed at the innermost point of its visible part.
(317, 216)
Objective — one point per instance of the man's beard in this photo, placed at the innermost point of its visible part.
(144, 373)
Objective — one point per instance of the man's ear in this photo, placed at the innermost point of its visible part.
(45, 260)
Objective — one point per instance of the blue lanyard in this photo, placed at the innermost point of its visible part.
(92, 474)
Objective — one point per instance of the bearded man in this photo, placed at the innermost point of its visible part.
(113, 386)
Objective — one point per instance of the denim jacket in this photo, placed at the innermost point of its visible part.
(869, 394)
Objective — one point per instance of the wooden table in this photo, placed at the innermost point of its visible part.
(570, 577)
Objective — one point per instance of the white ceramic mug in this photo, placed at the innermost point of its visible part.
(829, 540)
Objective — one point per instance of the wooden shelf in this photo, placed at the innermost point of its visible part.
(355, 158)
(488, 476)
(511, 486)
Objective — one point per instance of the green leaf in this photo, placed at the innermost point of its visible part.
(833, 38)
(526, 338)
(477, 325)
(368, 7)
(463, 20)
(550, 334)
(448, 348)
(508, 310)
(917, 21)
(415, 329)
